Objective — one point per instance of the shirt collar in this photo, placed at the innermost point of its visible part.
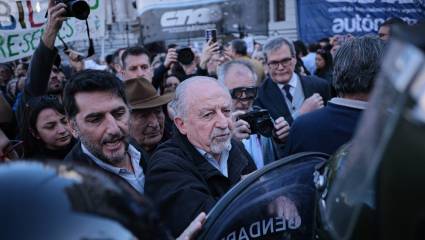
(132, 151)
(357, 104)
(205, 153)
(221, 165)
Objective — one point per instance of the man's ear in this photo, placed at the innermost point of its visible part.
(180, 124)
(294, 61)
(72, 123)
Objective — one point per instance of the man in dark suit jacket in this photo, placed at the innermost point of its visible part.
(285, 93)
(356, 65)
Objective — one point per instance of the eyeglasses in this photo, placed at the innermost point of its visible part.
(12, 150)
(284, 62)
(244, 93)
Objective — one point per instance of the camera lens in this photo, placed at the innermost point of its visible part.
(79, 9)
(185, 55)
(265, 127)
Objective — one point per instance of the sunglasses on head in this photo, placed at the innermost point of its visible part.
(244, 93)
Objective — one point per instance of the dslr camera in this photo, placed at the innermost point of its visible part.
(185, 55)
(79, 9)
(260, 122)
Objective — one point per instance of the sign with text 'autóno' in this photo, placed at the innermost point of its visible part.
(324, 18)
(22, 25)
(177, 19)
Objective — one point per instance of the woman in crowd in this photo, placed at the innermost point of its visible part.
(324, 65)
(170, 83)
(46, 135)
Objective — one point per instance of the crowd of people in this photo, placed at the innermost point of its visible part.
(172, 126)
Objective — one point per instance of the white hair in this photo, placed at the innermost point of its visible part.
(179, 104)
(225, 68)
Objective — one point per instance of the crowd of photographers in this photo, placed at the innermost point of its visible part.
(184, 127)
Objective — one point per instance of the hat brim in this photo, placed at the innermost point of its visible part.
(154, 102)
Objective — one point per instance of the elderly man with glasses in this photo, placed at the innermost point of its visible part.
(285, 93)
(241, 80)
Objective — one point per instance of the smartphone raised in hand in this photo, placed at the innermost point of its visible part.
(211, 34)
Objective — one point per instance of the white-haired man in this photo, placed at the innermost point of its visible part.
(200, 163)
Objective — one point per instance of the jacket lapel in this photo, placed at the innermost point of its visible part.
(236, 163)
(307, 89)
(275, 96)
(76, 155)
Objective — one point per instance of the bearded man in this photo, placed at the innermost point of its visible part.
(200, 163)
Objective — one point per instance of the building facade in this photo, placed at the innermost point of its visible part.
(124, 28)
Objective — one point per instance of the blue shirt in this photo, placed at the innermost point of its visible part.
(253, 147)
(136, 179)
(221, 165)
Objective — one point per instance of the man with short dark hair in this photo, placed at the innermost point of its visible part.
(97, 109)
(384, 31)
(136, 63)
(238, 48)
(284, 93)
(356, 65)
(116, 61)
(239, 51)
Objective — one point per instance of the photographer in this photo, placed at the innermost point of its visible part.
(163, 68)
(43, 74)
(241, 79)
(182, 62)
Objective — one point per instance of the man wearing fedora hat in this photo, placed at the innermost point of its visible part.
(147, 116)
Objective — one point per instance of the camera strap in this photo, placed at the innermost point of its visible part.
(90, 51)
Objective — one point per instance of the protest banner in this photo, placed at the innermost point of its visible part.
(22, 25)
(324, 18)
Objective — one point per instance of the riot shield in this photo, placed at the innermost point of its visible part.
(377, 190)
(276, 202)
